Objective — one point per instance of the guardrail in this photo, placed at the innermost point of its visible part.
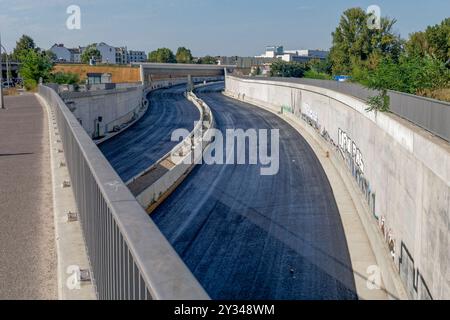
(429, 114)
(152, 185)
(129, 257)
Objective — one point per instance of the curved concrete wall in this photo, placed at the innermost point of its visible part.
(403, 173)
(111, 105)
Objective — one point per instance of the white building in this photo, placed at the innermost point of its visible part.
(303, 55)
(110, 54)
(136, 56)
(272, 52)
(119, 55)
(75, 55)
(62, 53)
(107, 52)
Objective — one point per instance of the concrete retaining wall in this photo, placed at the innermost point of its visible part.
(111, 105)
(403, 173)
(118, 107)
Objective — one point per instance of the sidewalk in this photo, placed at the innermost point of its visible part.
(27, 241)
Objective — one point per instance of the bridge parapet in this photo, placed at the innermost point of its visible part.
(129, 257)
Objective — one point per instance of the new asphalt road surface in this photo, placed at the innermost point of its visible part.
(248, 236)
(141, 145)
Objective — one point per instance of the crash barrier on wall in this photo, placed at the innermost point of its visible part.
(430, 114)
(95, 93)
(151, 186)
(96, 87)
(129, 257)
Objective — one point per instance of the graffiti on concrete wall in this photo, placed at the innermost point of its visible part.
(310, 116)
(353, 157)
(348, 146)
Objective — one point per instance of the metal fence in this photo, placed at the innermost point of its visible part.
(429, 114)
(129, 257)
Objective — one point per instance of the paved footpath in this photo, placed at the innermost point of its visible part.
(27, 242)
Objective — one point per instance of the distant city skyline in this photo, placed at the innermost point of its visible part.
(204, 26)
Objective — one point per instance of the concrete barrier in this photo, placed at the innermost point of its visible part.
(153, 185)
(402, 173)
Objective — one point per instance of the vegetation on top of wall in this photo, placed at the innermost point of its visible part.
(381, 60)
(282, 68)
(64, 78)
(207, 60)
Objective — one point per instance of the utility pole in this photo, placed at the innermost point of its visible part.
(2, 102)
(8, 67)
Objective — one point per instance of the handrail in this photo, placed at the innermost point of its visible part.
(129, 256)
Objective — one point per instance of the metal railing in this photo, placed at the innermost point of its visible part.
(129, 257)
(429, 114)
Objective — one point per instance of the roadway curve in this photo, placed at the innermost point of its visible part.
(144, 143)
(247, 236)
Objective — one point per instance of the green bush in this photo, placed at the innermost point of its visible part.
(410, 74)
(282, 68)
(312, 74)
(64, 78)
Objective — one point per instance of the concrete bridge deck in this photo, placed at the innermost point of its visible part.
(27, 242)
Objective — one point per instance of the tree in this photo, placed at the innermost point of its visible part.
(183, 55)
(319, 69)
(34, 65)
(282, 68)
(434, 41)
(438, 37)
(24, 44)
(354, 43)
(417, 45)
(207, 60)
(91, 51)
(320, 66)
(162, 55)
(51, 55)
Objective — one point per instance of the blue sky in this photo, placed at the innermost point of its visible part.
(216, 27)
